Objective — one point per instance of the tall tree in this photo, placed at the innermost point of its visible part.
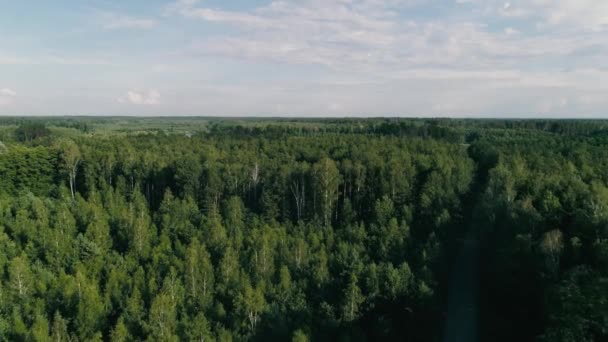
(71, 157)
(199, 275)
(327, 178)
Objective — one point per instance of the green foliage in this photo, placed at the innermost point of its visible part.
(31, 131)
(28, 169)
(309, 230)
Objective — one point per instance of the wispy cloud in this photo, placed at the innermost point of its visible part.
(8, 92)
(7, 95)
(132, 23)
(150, 97)
(369, 34)
(511, 51)
(114, 21)
(579, 14)
(52, 60)
(319, 32)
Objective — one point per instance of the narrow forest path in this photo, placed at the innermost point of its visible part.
(463, 309)
(462, 318)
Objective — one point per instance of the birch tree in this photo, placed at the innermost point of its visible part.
(71, 158)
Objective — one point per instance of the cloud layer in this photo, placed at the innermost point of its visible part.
(375, 34)
(550, 48)
(321, 57)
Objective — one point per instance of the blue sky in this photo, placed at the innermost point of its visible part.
(462, 58)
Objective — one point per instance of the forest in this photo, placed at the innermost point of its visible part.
(212, 229)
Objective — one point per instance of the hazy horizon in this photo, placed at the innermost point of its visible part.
(305, 59)
(304, 117)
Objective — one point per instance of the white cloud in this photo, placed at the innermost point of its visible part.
(571, 14)
(7, 95)
(7, 92)
(591, 14)
(335, 107)
(151, 97)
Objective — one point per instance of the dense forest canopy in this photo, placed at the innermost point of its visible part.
(161, 229)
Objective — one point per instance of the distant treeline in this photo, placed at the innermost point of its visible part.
(452, 130)
(29, 127)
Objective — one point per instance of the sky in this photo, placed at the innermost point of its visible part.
(423, 58)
